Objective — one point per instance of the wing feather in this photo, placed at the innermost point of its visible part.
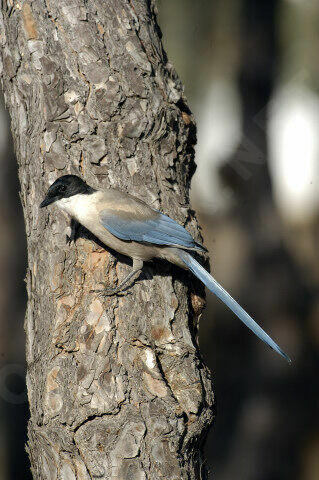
(159, 229)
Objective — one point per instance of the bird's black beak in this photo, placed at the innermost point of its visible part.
(47, 201)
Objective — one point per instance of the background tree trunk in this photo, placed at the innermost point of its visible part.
(116, 387)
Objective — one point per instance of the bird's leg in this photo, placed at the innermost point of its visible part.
(137, 267)
(74, 232)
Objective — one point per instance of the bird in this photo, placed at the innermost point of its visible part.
(129, 226)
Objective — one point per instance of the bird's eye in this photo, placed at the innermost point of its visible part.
(62, 188)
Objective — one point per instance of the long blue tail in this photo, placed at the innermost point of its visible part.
(221, 293)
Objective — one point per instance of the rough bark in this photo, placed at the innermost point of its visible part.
(116, 386)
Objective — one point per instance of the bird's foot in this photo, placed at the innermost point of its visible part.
(74, 226)
(125, 284)
(109, 291)
(70, 239)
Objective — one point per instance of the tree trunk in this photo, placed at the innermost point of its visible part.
(117, 388)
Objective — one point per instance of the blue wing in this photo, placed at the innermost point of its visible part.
(159, 229)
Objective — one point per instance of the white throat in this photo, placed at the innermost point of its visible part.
(83, 207)
(78, 206)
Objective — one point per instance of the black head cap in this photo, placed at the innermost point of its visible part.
(64, 187)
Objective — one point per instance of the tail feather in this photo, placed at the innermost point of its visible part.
(221, 293)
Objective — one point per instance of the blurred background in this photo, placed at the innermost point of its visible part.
(251, 75)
